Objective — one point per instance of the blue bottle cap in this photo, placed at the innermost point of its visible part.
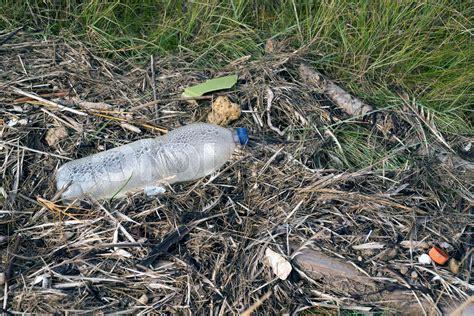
(243, 135)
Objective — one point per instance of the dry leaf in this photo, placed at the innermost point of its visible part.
(210, 85)
(54, 135)
(281, 267)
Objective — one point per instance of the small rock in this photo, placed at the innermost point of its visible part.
(143, 299)
(403, 270)
(54, 135)
(223, 111)
(454, 266)
(414, 275)
(424, 259)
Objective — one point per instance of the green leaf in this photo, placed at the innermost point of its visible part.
(221, 83)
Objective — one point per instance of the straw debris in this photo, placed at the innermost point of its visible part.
(299, 188)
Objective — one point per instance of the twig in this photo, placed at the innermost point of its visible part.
(47, 95)
(33, 150)
(74, 126)
(22, 65)
(153, 83)
(270, 97)
(48, 102)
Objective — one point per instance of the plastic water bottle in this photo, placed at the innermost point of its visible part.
(187, 153)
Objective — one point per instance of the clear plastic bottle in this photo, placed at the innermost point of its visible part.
(187, 153)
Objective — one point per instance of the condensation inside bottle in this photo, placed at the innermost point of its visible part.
(187, 153)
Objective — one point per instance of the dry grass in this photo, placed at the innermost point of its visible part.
(302, 187)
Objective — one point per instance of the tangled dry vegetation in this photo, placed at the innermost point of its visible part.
(352, 237)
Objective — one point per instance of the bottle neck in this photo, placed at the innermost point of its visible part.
(241, 136)
(236, 137)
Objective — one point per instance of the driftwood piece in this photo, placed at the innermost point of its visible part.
(320, 266)
(345, 277)
(343, 99)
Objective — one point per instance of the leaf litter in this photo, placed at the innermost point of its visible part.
(352, 237)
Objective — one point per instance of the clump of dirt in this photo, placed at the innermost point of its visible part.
(200, 248)
(223, 111)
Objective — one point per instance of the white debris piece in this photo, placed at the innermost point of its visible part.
(154, 190)
(281, 267)
(424, 259)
